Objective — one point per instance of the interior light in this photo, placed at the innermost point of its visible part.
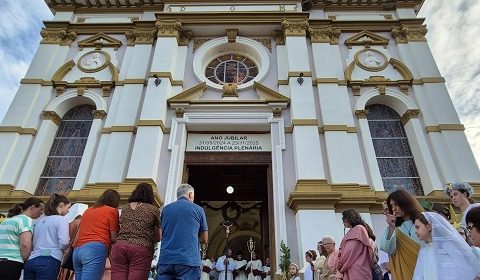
(230, 189)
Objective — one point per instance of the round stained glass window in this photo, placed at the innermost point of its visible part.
(231, 68)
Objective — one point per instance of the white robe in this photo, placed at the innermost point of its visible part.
(204, 275)
(255, 264)
(266, 270)
(241, 273)
(426, 267)
(220, 267)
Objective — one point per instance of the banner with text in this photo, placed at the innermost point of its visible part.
(228, 142)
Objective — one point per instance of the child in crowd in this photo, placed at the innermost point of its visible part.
(444, 254)
(293, 270)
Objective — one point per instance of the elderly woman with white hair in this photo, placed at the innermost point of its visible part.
(329, 269)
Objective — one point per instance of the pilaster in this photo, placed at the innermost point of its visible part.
(342, 146)
(306, 140)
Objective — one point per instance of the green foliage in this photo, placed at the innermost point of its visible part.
(284, 258)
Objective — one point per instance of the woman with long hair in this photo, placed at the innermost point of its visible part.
(444, 253)
(16, 237)
(96, 233)
(399, 240)
(50, 238)
(133, 250)
(356, 252)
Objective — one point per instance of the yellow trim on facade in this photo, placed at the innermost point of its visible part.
(159, 123)
(292, 74)
(304, 122)
(320, 194)
(119, 128)
(408, 115)
(337, 127)
(167, 75)
(441, 127)
(18, 129)
(428, 80)
(89, 194)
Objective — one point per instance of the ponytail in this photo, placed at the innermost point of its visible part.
(20, 207)
(52, 203)
(15, 210)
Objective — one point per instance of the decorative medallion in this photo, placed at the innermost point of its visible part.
(93, 61)
(371, 60)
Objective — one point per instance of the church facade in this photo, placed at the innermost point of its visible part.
(289, 111)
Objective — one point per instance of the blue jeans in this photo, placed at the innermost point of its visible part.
(41, 268)
(89, 261)
(177, 272)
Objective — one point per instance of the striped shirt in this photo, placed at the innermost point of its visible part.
(10, 230)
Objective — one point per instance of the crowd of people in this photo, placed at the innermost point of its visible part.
(93, 243)
(419, 243)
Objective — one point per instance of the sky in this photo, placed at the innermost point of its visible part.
(453, 36)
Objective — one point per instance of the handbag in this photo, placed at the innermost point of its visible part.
(67, 261)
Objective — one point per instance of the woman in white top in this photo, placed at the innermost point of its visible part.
(444, 254)
(50, 238)
(460, 194)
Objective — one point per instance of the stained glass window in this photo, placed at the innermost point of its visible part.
(66, 152)
(394, 157)
(231, 68)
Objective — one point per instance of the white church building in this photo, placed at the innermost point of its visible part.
(281, 114)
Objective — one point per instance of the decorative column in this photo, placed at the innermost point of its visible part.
(32, 170)
(342, 146)
(308, 159)
(165, 78)
(21, 120)
(418, 144)
(120, 126)
(451, 148)
(306, 140)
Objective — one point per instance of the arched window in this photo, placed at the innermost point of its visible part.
(394, 157)
(66, 152)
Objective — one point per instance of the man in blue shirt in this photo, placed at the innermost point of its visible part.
(183, 224)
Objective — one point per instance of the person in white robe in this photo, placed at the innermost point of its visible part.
(225, 266)
(266, 269)
(254, 268)
(240, 265)
(213, 272)
(206, 267)
(444, 254)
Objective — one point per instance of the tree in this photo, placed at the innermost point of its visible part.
(284, 259)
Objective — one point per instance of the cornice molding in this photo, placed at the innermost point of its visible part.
(294, 27)
(119, 128)
(408, 33)
(60, 36)
(326, 34)
(99, 41)
(159, 123)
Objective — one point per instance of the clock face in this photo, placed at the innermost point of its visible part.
(93, 61)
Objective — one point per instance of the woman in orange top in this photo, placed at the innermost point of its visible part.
(97, 231)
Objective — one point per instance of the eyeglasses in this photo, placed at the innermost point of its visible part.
(469, 228)
(329, 243)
